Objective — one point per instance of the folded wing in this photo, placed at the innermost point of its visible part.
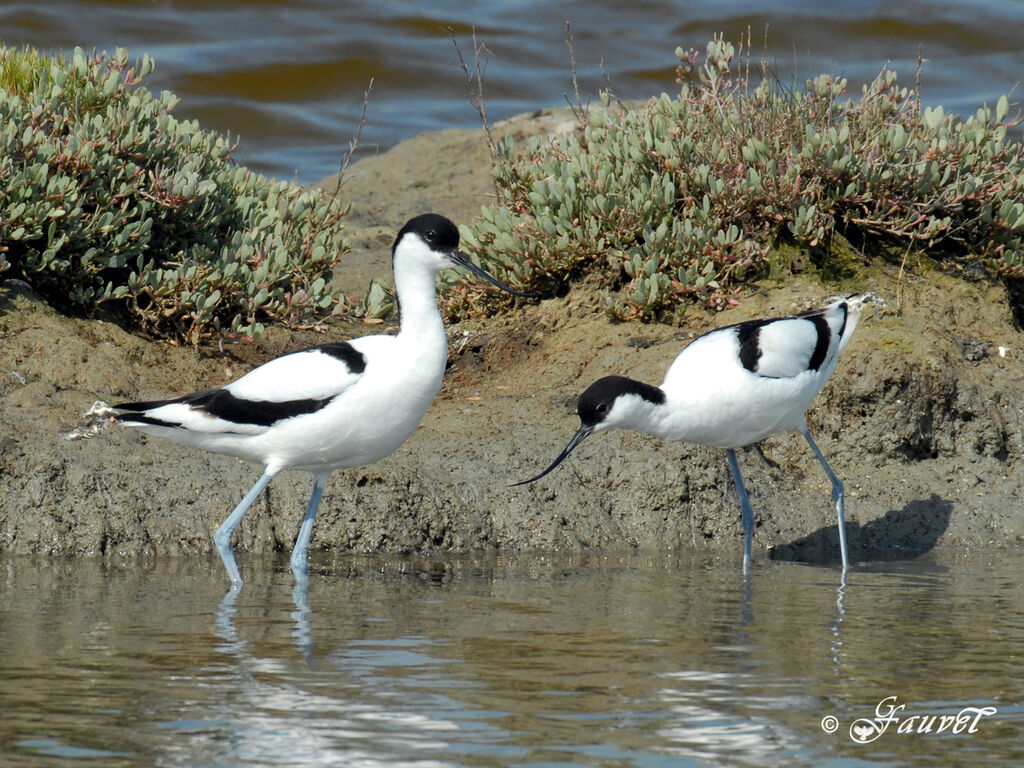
(291, 385)
(789, 346)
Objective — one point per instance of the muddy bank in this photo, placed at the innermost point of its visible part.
(922, 420)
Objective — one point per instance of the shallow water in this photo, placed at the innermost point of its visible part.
(610, 660)
(287, 78)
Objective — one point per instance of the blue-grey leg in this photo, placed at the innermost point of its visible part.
(306, 530)
(222, 537)
(837, 495)
(748, 513)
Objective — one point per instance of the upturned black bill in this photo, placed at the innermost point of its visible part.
(463, 261)
(581, 434)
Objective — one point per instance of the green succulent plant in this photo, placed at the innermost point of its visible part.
(107, 199)
(683, 198)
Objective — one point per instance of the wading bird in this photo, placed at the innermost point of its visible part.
(332, 406)
(730, 388)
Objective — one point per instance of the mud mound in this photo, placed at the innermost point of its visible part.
(922, 420)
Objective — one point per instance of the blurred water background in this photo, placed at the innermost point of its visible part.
(287, 77)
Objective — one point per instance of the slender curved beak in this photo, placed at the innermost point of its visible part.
(462, 260)
(581, 434)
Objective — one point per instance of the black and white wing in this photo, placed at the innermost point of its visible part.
(788, 346)
(775, 348)
(291, 385)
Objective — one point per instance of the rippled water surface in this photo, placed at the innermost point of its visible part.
(288, 77)
(632, 660)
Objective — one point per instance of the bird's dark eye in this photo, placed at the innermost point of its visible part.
(430, 235)
(602, 408)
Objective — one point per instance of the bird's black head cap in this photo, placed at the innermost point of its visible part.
(437, 231)
(597, 400)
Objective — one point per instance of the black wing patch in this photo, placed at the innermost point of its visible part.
(822, 342)
(342, 350)
(824, 331)
(223, 405)
(750, 347)
(263, 413)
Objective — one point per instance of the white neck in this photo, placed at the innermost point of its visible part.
(420, 324)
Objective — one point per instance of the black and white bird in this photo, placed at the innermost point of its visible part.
(332, 406)
(731, 388)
